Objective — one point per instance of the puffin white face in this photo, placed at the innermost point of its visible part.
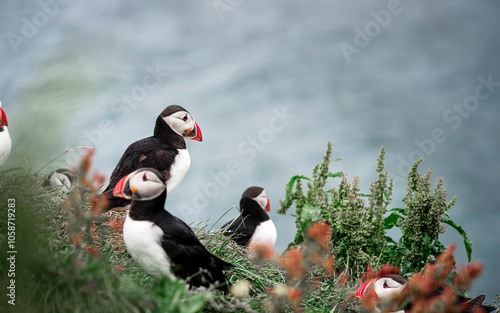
(61, 182)
(263, 201)
(183, 123)
(386, 287)
(142, 184)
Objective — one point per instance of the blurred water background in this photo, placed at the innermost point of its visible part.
(269, 83)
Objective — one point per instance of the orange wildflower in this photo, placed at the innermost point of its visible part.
(321, 233)
(292, 261)
(92, 250)
(294, 295)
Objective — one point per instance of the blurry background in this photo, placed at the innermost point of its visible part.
(269, 84)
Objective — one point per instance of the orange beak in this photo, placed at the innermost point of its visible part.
(3, 118)
(122, 188)
(268, 207)
(194, 133)
(360, 293)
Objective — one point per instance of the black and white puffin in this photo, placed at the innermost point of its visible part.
(253, 225)
(165, 151)
(62, 179)
(160, 242)
(5, 141)
(390, 285)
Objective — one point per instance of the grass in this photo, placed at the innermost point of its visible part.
(68, 260)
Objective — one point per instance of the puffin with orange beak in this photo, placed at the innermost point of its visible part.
(5, 141)
(253, 225)
(389, 286)
(165, 151)
(160, 242)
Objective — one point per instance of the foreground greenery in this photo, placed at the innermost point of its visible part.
(70, 257)
(67, 262)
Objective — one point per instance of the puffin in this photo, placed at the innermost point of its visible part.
(253, 225)
(5, 142)
(160, 242)
(165, 151)
(390, 285)
(62, 179)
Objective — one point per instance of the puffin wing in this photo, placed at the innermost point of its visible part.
(189, 258)
(240, 231)
(147, 152)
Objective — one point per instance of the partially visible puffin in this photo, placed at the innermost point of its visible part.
(5, 142)
(253, 225)
(165, 151)
(161, 243)
(62, 179)
(389, 285)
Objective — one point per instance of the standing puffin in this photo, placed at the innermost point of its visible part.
(165, 151)
(253, 225)
(5, 142)
(390, 285)
(161, 243)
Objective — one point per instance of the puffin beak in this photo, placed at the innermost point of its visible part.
(268, 206)
(193, 133)
(3, 118)
(360, 293)
(122, 188)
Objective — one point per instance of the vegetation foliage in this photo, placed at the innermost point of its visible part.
(71, 257)
(358, 227)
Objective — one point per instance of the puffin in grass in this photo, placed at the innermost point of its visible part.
(62, 179)
(388, 286)
(165, 151)
(160, 242)
(5, 141)
(253, 226)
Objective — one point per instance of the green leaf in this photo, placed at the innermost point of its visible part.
(461, 231)
(337, 174)
(310, 213)
(390, 240)
(365, 195)
(392, 220)
(400, 210)
(289, 188)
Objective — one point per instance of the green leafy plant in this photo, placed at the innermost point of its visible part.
(421, 222)
(358, 230)
(359, 227)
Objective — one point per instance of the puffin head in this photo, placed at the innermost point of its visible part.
(3, 117)
(181, 122)
(142, 185)
(259, 195)
(383, 287)
(62, 179)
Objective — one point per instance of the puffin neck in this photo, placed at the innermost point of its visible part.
(167, 135)
(249, 206)
(146, 210)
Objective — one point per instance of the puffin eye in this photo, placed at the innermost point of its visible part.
(144, 177)
(385, 285)
(185, 118)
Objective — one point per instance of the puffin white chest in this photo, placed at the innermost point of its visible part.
(179, 169)
(143, 241)
(5, 144)
(265, 233)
